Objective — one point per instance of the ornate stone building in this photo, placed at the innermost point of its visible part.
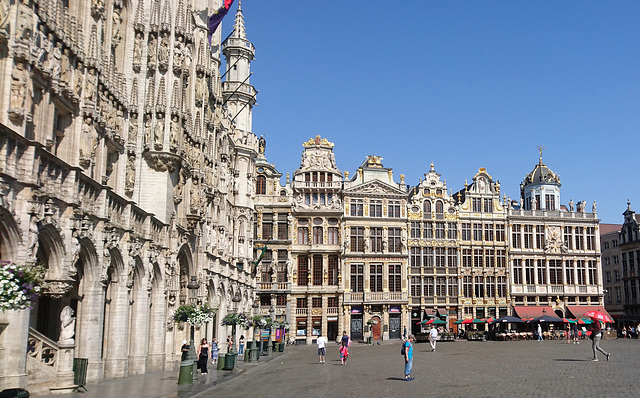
(612, 271)
(554, 252)
(126, 169)
(374, 261)
(630, 264)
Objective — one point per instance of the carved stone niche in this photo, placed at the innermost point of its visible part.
(162, 161)
(57, 288)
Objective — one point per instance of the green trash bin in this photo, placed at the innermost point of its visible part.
(230, 361)
(281, 347)
(221, 360)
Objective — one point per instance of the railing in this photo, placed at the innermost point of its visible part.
(317, 184)
(557, 289)
(42, 349)
(302, 311)
(333, 311)
(582, 289)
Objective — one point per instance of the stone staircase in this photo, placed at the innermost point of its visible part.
(49, 366)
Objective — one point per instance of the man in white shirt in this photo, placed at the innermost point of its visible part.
(433, 336)
(321, 341)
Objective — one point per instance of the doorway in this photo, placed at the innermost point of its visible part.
(332, 330)
(376, 328)
(394, 326)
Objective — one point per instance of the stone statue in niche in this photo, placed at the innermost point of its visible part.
(67, 326)
(131, 173)
(178, 55)
(152, 51)
(34, 232)
(200, 87)
(44, 46)
(115, 28)
(19, 79)
(90, 86)
(77, 77)
(195, 196)
(158, 133)
(187, 56)
(534, 203)
(147, 130)
(87, 140)
(25, 21)
(137, 49)
(5, 6)
(133, 129)
(163, 50)
(56, 60)
(175, 130)
(65, 66)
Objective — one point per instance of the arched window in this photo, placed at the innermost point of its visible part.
(426, 209)
(439, 210)
(261, 185)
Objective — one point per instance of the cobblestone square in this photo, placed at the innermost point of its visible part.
(456, 369)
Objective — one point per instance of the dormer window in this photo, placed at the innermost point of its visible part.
(261, 185)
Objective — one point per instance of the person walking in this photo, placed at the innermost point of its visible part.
(408, 358)
(345, 343)
(203, 356)
(214, 351)
(539, 331)
(229, 344)
(575, 333)
(241, 346)
(596, 336)
(321, 341)
(568, 332)
(433, 337)
(624, 332)
(404, 334)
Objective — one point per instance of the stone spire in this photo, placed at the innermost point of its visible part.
(238, 26)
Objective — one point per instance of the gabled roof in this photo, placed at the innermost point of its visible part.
(374, 187)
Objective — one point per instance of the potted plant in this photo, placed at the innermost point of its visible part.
(370, 323)
(19, 285)
(193, 314)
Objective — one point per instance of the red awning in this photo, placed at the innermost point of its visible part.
(533, 311)
(579, 310)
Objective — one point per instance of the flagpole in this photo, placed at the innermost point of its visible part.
(237, 88)
(245, 105)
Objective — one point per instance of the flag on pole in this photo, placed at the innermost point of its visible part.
(217, 16)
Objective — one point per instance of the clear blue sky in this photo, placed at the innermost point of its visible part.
(463, 84)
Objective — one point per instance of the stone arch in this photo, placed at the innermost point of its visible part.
(10, 237)
(116, 317)
(185, 271)
(45, 315)
(138, 280)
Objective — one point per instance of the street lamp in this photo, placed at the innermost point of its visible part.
(270, 343)
(236, 299)
(193, 287)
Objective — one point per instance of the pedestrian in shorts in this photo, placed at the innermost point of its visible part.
(321, 341)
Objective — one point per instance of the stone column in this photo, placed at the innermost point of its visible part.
(139, 337)
(13, 348)
(157, 327)
(116, 362)
(89, 331)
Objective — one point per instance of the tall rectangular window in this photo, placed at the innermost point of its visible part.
(502, 286)
(466, 258)
(441, 286)
(356, 207)
(542, 273)
(591, 238)
(592, 270)
(395, 278)
(491, 286)
(317, 235)
(440, 231)
(500, 233)
(303, 235)
(393, 209)
(581, 271)
(478, 286)
(317, 270)
(333, 236)
(415, 257)
(466, 231)
(266, 266)
(467, 286)
(375, 235)
(440, 256)
(427, 232)
(282, 266)
(357, 278)
(452, 231)
(357, 239)
(453, 287)
(303, 270)
(488, 205)
(415, 230)
(332, 302)
(477, 257)
(579, 238)
(529, 272)
(395, 243)
(489, 258)
(488, 232)
(501, 258)
(375, 208)
(333, 270)
(375, 277)
(550, 202)
(452, 258)
(516, 239)
(283, 227)
(528, 236)
(427, 256)
(267, 225)
(517, 272)
(477, 232)
(568, 274)
(539, 236)
(567, 238)
(477, 205)
(416, 287)
(555, 272)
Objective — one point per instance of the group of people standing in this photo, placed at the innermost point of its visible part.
(345, 343)
(207, 350)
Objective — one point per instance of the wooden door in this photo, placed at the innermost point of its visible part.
(377, 336)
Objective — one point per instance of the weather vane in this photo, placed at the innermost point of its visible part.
(541, 148)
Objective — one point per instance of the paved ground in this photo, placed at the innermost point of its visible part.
(456, 369)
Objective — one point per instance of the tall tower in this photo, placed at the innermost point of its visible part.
(237, 90)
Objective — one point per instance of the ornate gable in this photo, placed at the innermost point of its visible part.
(374, 187)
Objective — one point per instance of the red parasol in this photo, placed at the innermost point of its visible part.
(600, 316)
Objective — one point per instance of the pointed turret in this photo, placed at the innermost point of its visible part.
(237, 90)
